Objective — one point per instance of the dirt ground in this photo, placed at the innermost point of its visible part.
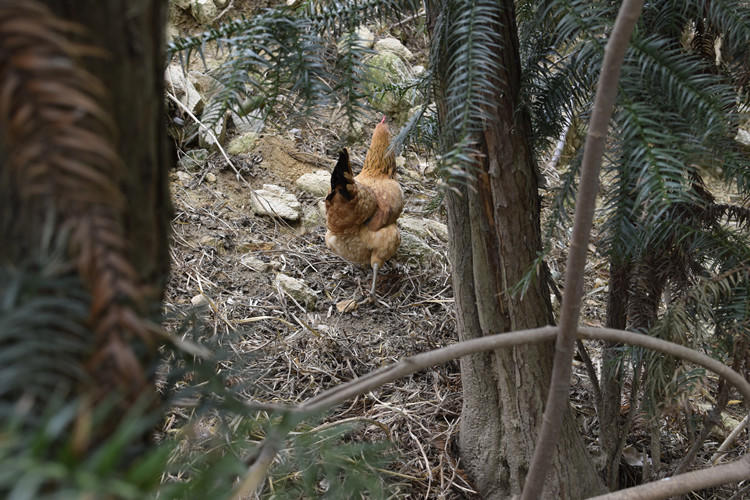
(287, 352)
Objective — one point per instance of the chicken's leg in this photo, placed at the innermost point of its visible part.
(374, 278)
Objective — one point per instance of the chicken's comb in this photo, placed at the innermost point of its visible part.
(383, 120)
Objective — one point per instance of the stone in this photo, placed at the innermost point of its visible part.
(317, 183)
(193, 160)
(346, 305)
(204, 11)
(200, 301)
(171, 32)
(211, 177)
(363, 38)
(217, 136)
(183, 89)
(424, 228)
(391, 44)
(250, 122)
(184, 177)
(255, 263)
(416, 247)
(275, 201)
(311, 217)
(242, 144)
(322, 209)
(743, 137)
(296, 289)
(385, 69)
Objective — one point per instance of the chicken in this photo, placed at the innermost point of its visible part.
(361, 211)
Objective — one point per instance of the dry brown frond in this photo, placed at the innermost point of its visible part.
(61, 159)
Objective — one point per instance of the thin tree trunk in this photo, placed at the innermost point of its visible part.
(497, 217)
(612, 373)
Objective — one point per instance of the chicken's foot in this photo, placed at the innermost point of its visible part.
(374, 278)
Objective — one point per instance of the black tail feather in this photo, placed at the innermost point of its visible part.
(342, 176)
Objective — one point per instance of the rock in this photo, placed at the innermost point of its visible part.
(346, 305)
(311, 217)
(424, 228)
(183, 4)
(171, 32)
(242, 144)
(200, 301)
(217, 136)
(362, 36)
(183, 89)
(416, 247)
(255, 263)
(193, 160)
(210, 177)
(322, 209)
(418, 70)
(391, 44)
(221, 3)
(204, 11)
(743, 137)
(275, 201)
(317, 183)
(385, 69)
(365, 37)
(184, 177)
(251, 122)
(296, 289)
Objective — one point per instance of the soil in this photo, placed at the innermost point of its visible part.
(281, 351)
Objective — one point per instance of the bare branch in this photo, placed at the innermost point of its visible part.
(685, 483)
(729, 440)
(557, 398)
(336, 395)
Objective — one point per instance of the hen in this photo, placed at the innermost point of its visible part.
(361, 211)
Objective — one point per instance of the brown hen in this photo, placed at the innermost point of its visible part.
(361, 211)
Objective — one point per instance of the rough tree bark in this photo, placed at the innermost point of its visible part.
(131, 32)
(497, 218)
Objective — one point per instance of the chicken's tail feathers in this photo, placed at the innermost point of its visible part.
(342, 179)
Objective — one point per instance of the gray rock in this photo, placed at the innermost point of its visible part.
(384, 69)
(311, 217)
(275, 201)
(391, 44)
(424, 228)
(183, 4)
(743, 137)
(317, 183)
(242, 144)
(193, 160)
(251, 122)
(255, 263)
(296, 289)
(217, 136)
(363, 37)
(415, 247)
(183, 89)
(184, 177)
(204, 11)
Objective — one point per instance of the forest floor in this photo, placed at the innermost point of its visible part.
(282, 351)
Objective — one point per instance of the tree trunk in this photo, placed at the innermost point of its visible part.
(120, 222)
(131, 32)
(612, 372)
(497, 217)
